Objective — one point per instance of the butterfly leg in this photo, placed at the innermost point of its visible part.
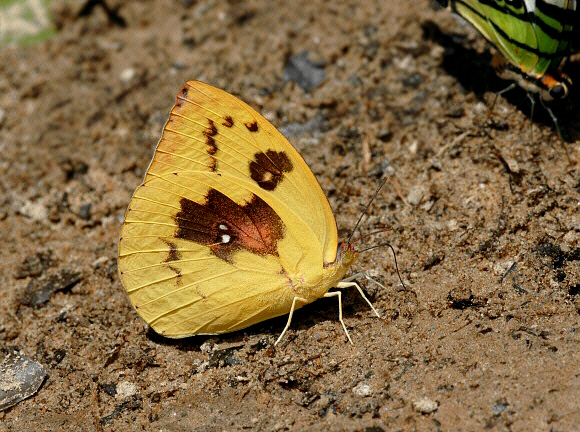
(296, 299)
(339, 295)
(346, 283)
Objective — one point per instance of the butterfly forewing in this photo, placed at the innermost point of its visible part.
(229, 215)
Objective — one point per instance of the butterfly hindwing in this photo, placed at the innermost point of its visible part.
(506, 26)
(533, 36)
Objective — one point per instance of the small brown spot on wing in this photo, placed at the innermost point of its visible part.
(252, 126)
(211, 129)
(182, 96)
(228, 121)
(212, 165)
(267, 169)
(226, 227)
(212, 147)
(174, 254)
(177, 273)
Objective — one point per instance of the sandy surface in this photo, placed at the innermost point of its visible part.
(483, 206)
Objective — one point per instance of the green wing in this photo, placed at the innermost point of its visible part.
(553, 24)
(532, 34)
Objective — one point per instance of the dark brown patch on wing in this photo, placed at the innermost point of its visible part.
(267, 169)
(212, 147)
(227, 227)
(252, 126)
(228, 121)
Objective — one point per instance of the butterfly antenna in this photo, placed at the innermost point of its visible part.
(533, 103)
(366, 209)
(394, 257)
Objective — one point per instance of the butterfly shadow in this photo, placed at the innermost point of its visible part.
(321, 310)
(474, 73)
(471, 69)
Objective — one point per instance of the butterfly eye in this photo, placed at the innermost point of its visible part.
(559, 91)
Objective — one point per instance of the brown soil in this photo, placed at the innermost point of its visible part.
(483, 207)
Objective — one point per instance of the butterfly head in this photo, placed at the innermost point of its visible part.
(346, 254)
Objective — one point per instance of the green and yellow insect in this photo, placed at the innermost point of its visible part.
(533, 36)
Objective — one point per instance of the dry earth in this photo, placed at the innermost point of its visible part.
(483, 208)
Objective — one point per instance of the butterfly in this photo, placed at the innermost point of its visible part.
(229, 227)
(532, 35)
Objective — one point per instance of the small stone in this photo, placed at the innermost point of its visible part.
(179, 65)
(110, 389)
(425, 405)
(85, 211)
(385, 135)
(452, 225)
(303, 72)
(362, 389)
(461, 298)
(125, 389)
(99, 262)
(39, 291)
(35, 264)
(34, 210)
(413, 80)
(434, 260)
(499, 406)
(571, 237)
(20, 377)
(415, 195)
(500, 268)
(127, 75)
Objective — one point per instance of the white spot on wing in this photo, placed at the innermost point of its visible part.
(530, 5)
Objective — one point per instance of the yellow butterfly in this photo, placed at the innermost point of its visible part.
(230, 226)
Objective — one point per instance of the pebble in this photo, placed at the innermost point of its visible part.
(362, 389)
(34, 265)
(500, 268)
(85, 211)
(415, 195)
(20, 377)
(499, 407)
(304, 72)
(34, 210)
(127, 75)
(38, 291)
(126, 389)
(425, 405)
(99, 262)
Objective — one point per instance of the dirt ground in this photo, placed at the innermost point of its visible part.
(483, 207)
